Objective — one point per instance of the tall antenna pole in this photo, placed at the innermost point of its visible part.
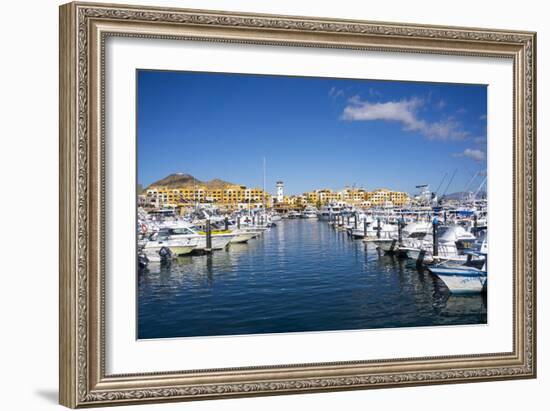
(263, 193)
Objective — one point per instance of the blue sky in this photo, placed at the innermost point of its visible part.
(313, 132)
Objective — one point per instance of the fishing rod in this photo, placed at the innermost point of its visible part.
(471, 181)
(441, 183)
(481, 185)
(450, 181)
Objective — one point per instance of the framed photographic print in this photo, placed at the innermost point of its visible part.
(259, 204)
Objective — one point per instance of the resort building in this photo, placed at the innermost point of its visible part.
(233, 196)
(227, 197)
(358, 197)
(384, 196)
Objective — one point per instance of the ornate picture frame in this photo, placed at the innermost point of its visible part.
(84, 28)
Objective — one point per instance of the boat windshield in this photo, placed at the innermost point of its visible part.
(180, 231)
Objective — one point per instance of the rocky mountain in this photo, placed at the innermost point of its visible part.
(460, 195)
(178, 180)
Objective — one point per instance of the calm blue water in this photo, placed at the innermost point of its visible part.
(300, 276)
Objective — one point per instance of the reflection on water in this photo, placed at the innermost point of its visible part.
(300, 276)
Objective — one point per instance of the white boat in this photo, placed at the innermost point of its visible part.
(460, 278)
(183, 229)
(309, 212)
(387, 231)
(411, 234)
(274, 217)
(447, 250)
(328, 211)
(242, 236)
(293, 214)
(177, 246)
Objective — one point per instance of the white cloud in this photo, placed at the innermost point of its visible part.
(374, 93)
(441, 104)
(335, 92)
(480, 140)
(474, 154)
(405, 112)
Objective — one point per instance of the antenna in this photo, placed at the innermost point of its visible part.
(263, 193)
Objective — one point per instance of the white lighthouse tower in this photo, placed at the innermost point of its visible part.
(280, 191)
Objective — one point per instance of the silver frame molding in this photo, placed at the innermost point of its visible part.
(84, 27)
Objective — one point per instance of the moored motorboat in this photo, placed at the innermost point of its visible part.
(242, 236)
(177, 246)
(182, 229)
(309, 212)
(461, 278)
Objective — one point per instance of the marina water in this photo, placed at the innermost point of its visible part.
(299, 276)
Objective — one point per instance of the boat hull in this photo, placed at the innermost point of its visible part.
(462, 282)
(418, 255)
(243, 237)
(388, 246)
(152, 253)
(219, 241)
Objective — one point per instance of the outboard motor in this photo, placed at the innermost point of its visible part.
(143, 261)
(165, 255)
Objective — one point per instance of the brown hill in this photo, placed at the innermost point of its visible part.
(178, 180)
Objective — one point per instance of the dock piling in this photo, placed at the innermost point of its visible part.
(400, 231)
(434, 235)
(208, 236)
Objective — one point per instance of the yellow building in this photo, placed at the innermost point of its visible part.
(295, 200)
(325, 196)
(399, 198)
(384, 196)
(228, 196)
(352, 195)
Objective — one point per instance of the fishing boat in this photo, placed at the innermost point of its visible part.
(461, 278)
(309, 212)
(411, 234)
(274, 217)
(377, 231)
(357, 228)
(447, 249)
(163, 239)
(329, 211)
(182, 229)
(293, 214)
(240, 235)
